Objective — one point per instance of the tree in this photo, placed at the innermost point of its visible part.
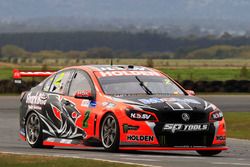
(244, 72)
(13, 51)
(150, 62)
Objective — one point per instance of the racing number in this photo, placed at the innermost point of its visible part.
(86, 118)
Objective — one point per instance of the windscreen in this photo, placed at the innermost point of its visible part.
(132, 85)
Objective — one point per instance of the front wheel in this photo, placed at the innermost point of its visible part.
(208, 153)
(110, 134)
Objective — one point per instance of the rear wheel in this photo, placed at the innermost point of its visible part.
(33, 128)
(208, 153)
(110, 135)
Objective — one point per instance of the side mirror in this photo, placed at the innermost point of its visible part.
(190, 92)
(83, 94)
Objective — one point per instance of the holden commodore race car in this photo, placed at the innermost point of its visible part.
(118, 107)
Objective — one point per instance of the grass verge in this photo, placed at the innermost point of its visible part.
(194, 74)
(204, 74)
(238, 124)
(11, 160)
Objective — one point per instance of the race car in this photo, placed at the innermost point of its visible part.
(118, 107)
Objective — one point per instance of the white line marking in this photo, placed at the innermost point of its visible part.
(125, 155)
(129, 163)
(139, 159)
(228, 163)
(152, 156)
(78, 157)
(173, 157)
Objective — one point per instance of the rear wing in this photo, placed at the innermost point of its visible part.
(17, 74)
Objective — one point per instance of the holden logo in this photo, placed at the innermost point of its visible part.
(185, 117)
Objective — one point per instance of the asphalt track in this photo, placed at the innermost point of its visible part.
(238, 155)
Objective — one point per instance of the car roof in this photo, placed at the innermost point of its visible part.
(116, 67)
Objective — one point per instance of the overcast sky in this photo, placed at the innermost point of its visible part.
(196, 9)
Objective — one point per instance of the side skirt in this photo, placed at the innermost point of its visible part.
(64, 142)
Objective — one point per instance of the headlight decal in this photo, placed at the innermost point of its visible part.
(215, 116)
(140, 115)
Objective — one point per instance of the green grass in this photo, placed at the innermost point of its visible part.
(238, 124)
(10, 160)
(5, 73)
(178, 74)
(204, 74)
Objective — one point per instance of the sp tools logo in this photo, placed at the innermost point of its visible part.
(185, 127)
(185, 117)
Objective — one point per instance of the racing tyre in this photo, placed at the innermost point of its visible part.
(110, 134)
(208, 153)
(33, 129)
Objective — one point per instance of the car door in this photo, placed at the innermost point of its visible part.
(82, 108)
(57, 117)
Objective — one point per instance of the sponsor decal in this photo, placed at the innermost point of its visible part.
(185, 127)
(115, 68)
(185, 100)
(92, 103)
(127, 127)
(139, 115)
(140, 138)
(38, 99)
(83, 93)
(158, 100)
(220, 137)
(174, 103)
(128, 73)
(185, 117)
(108, 105)
(85, 103)
(150, 100)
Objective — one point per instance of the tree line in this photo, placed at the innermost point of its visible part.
(93, 44)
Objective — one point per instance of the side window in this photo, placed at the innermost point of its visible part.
(60, 82)
(48, 83)
(79, 82)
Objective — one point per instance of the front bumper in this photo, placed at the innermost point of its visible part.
(150, 134)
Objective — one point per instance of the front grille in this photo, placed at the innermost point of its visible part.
(176, 116)
(169, 139)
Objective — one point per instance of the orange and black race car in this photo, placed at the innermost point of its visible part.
(118, 107)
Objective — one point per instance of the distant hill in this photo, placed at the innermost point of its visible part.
(139, 42)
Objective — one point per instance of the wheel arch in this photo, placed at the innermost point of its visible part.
(101, 121)
(26, 117)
